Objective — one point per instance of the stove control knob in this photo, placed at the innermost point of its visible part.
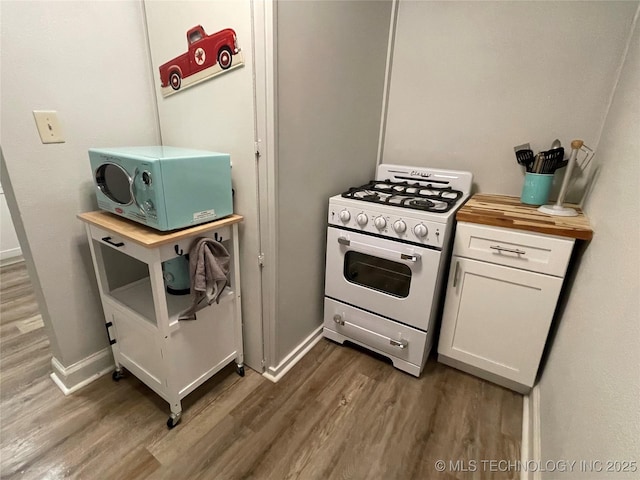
(362, 219)
(380, 223)
(399, 226)
(420, 230)
(148, 206)
(345, 216)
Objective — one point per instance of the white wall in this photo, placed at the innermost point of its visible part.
(331, 64)
(88, 61)
(590, 384)
(470, 80)
(217, 115)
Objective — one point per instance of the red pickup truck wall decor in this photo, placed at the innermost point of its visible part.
(208, 56)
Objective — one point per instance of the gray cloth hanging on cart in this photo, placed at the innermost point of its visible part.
(209, 274)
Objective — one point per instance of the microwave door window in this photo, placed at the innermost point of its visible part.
(115, 183)
(376, 273)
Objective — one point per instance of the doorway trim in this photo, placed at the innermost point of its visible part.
(264, 14)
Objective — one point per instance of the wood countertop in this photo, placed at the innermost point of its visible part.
(147, 236)
(507, 212)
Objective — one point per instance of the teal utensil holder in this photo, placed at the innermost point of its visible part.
(536, 188)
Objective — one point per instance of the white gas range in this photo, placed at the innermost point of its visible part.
(388, 246)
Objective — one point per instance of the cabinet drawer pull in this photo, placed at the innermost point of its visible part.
(401, 344)
(111, 340)
(510, 250)
(108, 240)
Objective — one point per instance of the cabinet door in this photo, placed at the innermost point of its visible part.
(497, 318)
(137, 348)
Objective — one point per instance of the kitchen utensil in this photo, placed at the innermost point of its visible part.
(558, 209)
(524, 146)
(537, 164)
(556, 144)
(525, 158)
(552, 158)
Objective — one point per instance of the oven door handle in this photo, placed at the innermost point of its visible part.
(362, 247)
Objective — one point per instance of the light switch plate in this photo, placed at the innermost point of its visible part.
(48, 126)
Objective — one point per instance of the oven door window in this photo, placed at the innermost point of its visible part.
(376, 273)
(115, 183)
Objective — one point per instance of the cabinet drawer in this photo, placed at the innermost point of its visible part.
(377, 332)
(119, 243)
(534, 252)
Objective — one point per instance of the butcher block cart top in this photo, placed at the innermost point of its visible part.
(149, 237)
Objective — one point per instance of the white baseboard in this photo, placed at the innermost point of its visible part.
(74, 377)
(276, 373)
(9, 257)
(531, 447)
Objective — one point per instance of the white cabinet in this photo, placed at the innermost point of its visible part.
(501, 296)
(171, 357)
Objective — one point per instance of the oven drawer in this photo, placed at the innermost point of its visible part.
(513, 248)
(377, 332)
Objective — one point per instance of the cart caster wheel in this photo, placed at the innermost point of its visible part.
(173, 420)
(240, 370)
(117, 375)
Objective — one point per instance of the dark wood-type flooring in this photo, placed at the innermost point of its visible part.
(338, 414)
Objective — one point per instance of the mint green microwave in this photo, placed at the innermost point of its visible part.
(166, 188)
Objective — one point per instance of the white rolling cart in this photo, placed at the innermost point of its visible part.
(171, 357)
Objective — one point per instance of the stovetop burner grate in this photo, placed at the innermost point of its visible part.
(425, 197)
